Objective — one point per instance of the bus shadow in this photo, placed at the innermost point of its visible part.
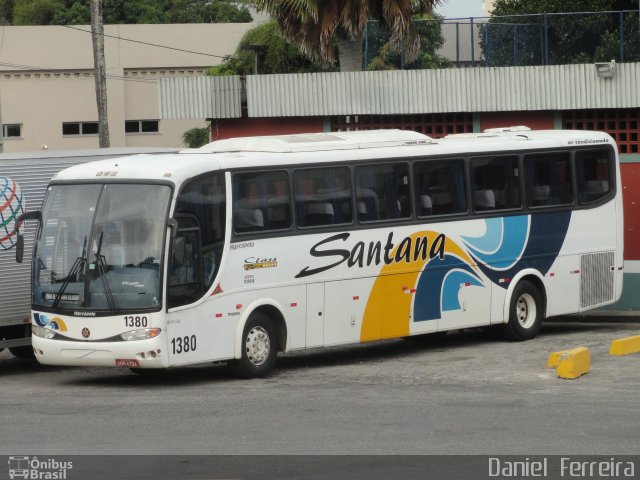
(13, 366)
(328, 357)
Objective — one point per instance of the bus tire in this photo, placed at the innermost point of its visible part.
(259, 348)
(525, 313)
(23, 352)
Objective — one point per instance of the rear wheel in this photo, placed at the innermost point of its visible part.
(23, 352)
(525, 313)
(259, 348)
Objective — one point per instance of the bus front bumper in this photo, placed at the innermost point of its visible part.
(151, 353)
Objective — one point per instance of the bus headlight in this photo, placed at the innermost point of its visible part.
(143, 334)
(42, 332)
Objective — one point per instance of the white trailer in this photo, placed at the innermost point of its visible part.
(23, 182)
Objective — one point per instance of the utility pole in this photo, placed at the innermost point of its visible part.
(99, 70)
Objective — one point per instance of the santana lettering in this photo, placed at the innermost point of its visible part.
(407, 250)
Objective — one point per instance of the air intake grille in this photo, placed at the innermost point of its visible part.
(596, 279)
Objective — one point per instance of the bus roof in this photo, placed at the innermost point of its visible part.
(264, 151)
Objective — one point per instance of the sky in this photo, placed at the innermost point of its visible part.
(460, 8)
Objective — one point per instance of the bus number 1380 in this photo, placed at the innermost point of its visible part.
(183, 344)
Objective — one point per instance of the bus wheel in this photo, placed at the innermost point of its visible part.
(23, 352)
(259, 348)
(525, 313)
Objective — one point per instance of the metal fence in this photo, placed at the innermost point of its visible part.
(519, 40)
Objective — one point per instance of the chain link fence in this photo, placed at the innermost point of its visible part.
(521, 40)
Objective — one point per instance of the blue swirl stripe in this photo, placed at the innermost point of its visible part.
(433, 295)
(502, 244)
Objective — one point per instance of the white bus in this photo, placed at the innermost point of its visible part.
(252, 246)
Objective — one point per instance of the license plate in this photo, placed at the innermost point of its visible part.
(127, 363)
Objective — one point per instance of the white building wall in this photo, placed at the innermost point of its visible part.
(46, 79)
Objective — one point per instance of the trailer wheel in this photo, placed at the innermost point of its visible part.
(23, 352)
(259, 348)
(525, 313)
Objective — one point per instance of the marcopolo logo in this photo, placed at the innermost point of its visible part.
(38, 469)
(12, 204)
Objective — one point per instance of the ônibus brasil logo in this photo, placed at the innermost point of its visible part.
(12, 204)
(38, 469)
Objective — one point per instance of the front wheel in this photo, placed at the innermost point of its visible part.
(525, 313)
(259, 348)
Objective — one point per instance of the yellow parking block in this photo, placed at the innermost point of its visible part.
(573, 363)
(554, 359)
(625, 346)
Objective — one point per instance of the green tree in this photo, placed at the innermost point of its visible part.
(317, 26)
(37, 12)
(275, 55)
(390, 57)
(6, 12)
(511, 39)
(61, 12)
(196, 137)
(203, 11)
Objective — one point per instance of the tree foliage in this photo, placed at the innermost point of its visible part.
(314, 24)
(196, 137)
(388, 56)
(511, 39)
(76, 12)
(275, 55)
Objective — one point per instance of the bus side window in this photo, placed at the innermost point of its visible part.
(261, 202)
(593, 171)
(200, 212)
(548, 179)
(322, 196)
(440, 187)
(495, 183)
(383, 192)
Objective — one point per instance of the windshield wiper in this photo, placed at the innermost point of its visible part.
(101, 263)
(76, 268)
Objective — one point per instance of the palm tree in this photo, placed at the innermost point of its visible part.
(315, 25)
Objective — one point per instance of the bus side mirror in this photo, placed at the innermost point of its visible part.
(33, 215)
(19, 248)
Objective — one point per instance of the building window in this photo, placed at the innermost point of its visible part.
(12, 130)
(141, 126)
(622, 124)
(79, 128)
(434, 125)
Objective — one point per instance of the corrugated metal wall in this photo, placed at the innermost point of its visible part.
(562, 87)
(200, 97)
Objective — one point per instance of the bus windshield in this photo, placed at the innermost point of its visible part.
(100, 247)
